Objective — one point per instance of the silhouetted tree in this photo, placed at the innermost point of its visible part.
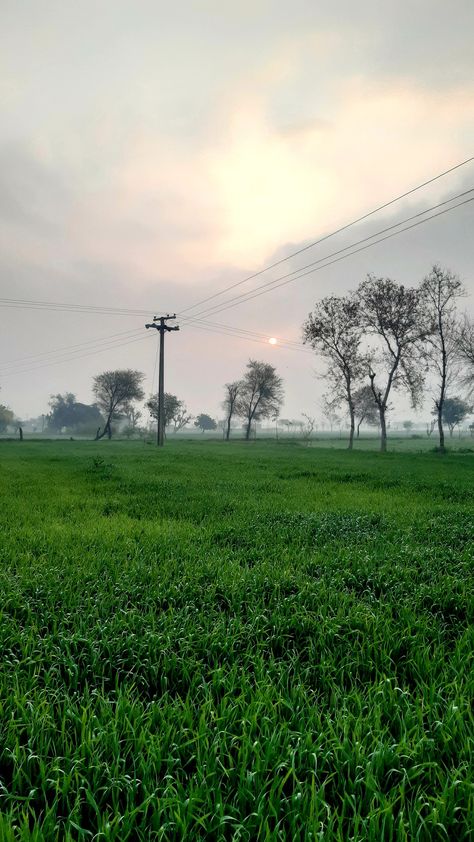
(334, 330)
(229, 403)
(6, 417)
(440, 291)
(205, 422)
(115, 390)
(68, 413)
(455, 410)
(261, 394)
(172, 407)
(393, 315)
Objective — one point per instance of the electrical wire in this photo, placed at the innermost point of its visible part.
(73, 357)
(331, 234)
(66, 348)
(285, 279)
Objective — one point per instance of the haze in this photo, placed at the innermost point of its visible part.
(152, 154)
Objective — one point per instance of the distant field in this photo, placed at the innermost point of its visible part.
(258, 641)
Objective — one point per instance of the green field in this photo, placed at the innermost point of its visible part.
(235, 642)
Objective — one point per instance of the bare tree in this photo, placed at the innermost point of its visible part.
(334, 330)
(133, 416)
(181, 418)
(307, 427)
(365, 407)
(465, 345)
(393, 315)
(430, 425)
(113, 391)
(440, 291)
(230, 402)
(260, 395)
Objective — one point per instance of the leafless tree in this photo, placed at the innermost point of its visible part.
(334, 330)
(229, 403)
(260, 395)
(440, 291)
(394, 316)
(113, 391)
(307, 427)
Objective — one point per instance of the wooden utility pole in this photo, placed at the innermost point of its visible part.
(159, 323)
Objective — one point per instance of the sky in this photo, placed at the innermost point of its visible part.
(152, 154)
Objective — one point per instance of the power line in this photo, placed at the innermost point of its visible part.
(331, 234)
(259, 340)
(73, 357)
(255, 335)
(67, 348)
(286, 279)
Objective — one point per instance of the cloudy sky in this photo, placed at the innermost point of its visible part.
(152, 154)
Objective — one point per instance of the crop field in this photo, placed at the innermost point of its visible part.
(258, 641)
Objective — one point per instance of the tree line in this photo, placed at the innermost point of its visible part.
(378, 340)
(386, 337)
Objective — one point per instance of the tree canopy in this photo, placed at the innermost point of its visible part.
(261, 394)
(334, 330)
(72, 415)
(455, 410)
(205, 422)
(114, 390)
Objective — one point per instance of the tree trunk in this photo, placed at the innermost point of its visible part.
(249, 427)
(439, 409)
(358, 427)
(107, 431)
(227, 434)
(383, 430)
(352, 427)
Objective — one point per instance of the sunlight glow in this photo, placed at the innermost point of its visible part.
(273, 341)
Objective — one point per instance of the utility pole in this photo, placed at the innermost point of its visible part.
(159, 323)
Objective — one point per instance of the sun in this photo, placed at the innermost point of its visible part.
(272, 340)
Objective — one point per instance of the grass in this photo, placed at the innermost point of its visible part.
(242, 642)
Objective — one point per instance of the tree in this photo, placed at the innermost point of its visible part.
(393, 315)
(261, 394)
(230, 402)
(465, 347)
(455, 410)
(407, 426)
(133, 416)
(172, 407)
(181, 418)
(68, 413)
(307, 427)
(114, 391)
(440, 290)
(6, 417)
(205, 422)
(287, 423)
(430, 425)
(176, 412)
(334, 330)
(365, 407)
